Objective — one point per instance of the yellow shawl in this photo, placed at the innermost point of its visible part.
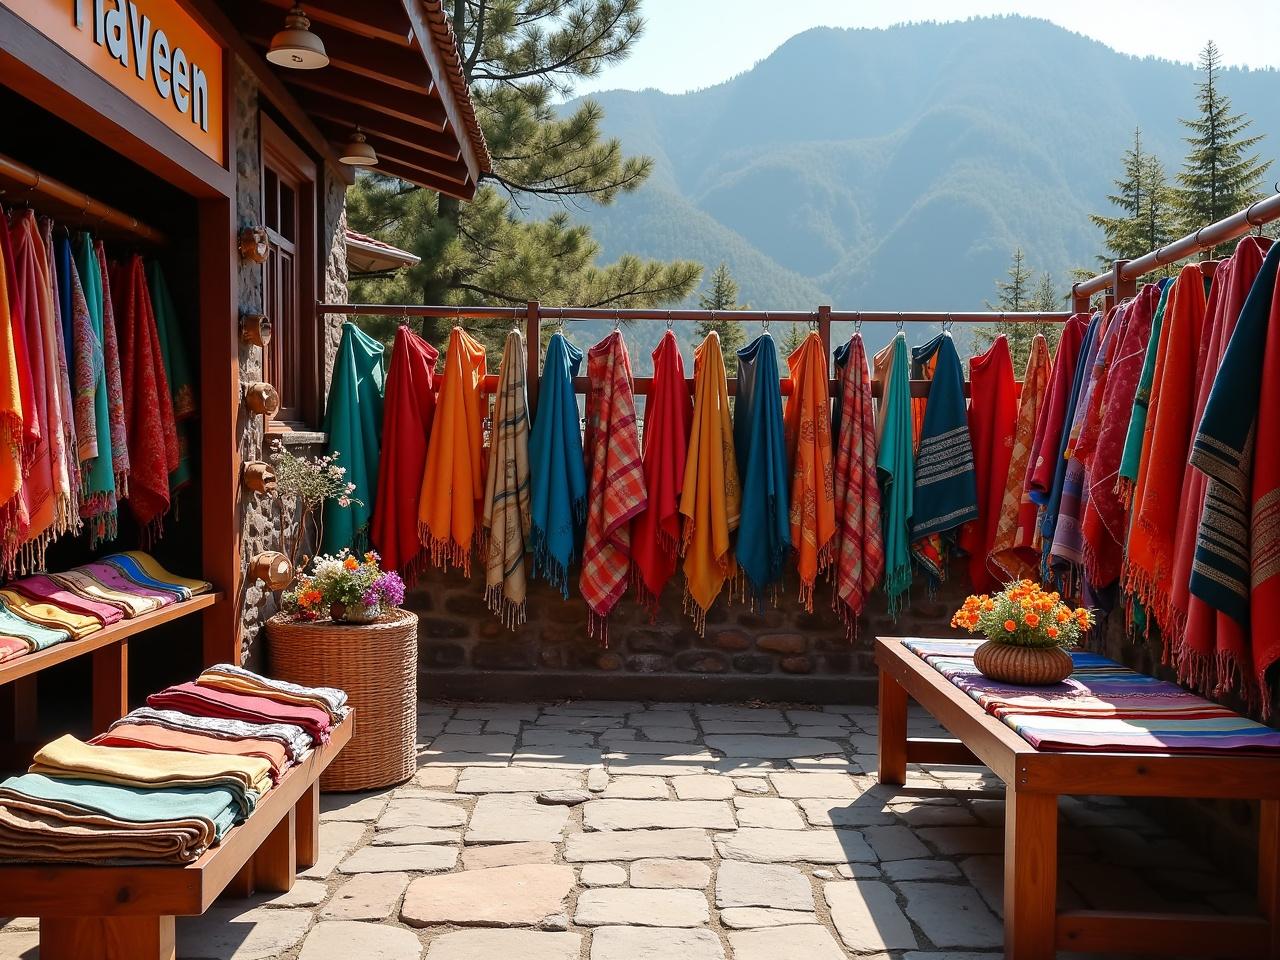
(48, 615)
(710, 498)
(152, 569)
(807, 421)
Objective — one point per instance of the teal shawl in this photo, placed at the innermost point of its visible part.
(895, 467)
(177, 371)
(557, 474)
(12, 625)
(1131, 459)
(764, 536)
(98, 475)
(353, 422)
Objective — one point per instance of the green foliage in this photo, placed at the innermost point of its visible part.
(1146, 203)
(723, 295)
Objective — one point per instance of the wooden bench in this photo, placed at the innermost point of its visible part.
(1033, 927)
(127, 912)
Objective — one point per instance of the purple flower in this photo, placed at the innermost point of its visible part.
(387, 589)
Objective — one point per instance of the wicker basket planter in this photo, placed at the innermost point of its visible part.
(1028, 666)
(377, 665)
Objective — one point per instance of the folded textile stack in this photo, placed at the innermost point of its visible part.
(19, 637)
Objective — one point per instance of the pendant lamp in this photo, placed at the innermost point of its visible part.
(296, 46)
(357, 151)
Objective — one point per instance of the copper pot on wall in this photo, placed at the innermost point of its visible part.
(262, 398)
(272, 568)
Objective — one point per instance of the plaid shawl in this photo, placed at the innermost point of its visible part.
(859, 538)
(1127, 478)
(506, 488)
(557, 476)
(615, 481)
(452, 484)
(807, 422)
(993, 414)
(655, 535)
(177, 373)
(764, 541)
(67, 467)
(353, 422)
(408, 408)
(1012, 552)
(894, 467)
(710, 502)
(1237, 447)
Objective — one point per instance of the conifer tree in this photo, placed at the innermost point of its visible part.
(1145, 202)
(723, 295)
(1016, 294)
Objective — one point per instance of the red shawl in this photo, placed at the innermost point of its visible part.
(203, 701)
(668, 413)
(406, 426)
(1044, 451)
(20, 427)
(615, 481)
(993, 412)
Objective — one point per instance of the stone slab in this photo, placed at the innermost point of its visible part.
(894, 843)
(921, 870)
(794, 846)
(866, 812)
(952, 915)
(772, 813)
(416, 858)
(735, 727)
(337, 839)
(638, 788)
(352, 806)
(748, 918)
(867, 916)
(229, 933)
(508, 855)
(305, 893)
(404, 836)
(834, 786)
(344, 939)
(623, 764)
(740, 884)
(657, 814)
(638, 845)
(709, 787)
(771, 748)
(515, 818)
(492, 744)
(602, 875)
(641, 908)
(667, 874)
(540, 737)
(368, 896)
(515, 944)
(799, 942)
(417, 812)
(654, 943)
(516, 780)
(557, 758)
(496, 897)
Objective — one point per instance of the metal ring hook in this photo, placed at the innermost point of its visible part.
(857, 324)
(948, 323)
(899, 321)
(764, 324)
(670, 322)
(617, 320)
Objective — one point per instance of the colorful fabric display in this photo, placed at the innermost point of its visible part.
(17, 441)
(993, 413)
(807, 427)
(453, 482)
(759, 439)
(615, 481)
(32, 636)
(67, 464)
(150, 736)
(227, 676)
(44, 589)
(44, 614)
(710, 500)
(506, 493)
(859, 553)
(131, 594)
(1049, 426)
(177, 373)
(145, 569)
(93, 426)
(131, 602)
(895, 462)
(655, 533)
(557, 477)
(1127, 478)
(207, 701)
(296, 742)
(353, 422)
(120, 463)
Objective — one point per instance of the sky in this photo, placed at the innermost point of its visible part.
(691, 44)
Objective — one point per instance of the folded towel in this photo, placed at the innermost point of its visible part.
(215, 702)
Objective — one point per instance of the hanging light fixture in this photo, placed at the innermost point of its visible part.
(296, 46)
(357, 151)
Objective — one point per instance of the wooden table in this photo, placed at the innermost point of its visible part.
(1033, 926)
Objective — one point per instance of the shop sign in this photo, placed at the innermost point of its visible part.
(152, 51)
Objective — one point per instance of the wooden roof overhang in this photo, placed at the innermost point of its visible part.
(395, 72)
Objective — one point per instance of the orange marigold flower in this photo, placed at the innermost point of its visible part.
(351, 563)
(1052, 633)
(1063, 616)
(988, 605)
(1032, 620)
(1010, 626)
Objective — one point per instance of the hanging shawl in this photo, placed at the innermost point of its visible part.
(506, 491)
(452, 484)
(177, 372)
(859, 538)
(353, 422)
(1149, 553)
(764, 542)
(151, 431)
(808, 436)
(1207, 645)
(1237, 447)
(1127, 478)
(115, 389)
(67, 473)
(946, 494)
(993, 413)
(13, 512)
(1013, 552)
(655, 535)
(710, 501)
(406, 426)
(1049, 426)
(894, 467)
(98, 506)
(558, 480)
(615, 481)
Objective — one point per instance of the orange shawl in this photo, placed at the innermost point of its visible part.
(807, 422)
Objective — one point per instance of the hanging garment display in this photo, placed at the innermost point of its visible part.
(1044, 449)
(98, 507)
(710, 501)
(506, 492)
(807, 426)
(615, 481)
(993, 412)
(177, 372)
(452, 480)
(408, 410)
(1127, 477)
(859, 552)
(353, 422)
(894, 466)
(655, 533)
(67, 472)
(115, 388)
(13, 510)
(557, 476)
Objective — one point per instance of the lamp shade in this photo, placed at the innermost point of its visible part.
(357, 151)
(296, 46)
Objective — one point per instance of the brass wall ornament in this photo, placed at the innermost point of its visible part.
(271, 568)
(261, 398)
(252, 244)
(259, 477)
(255, 329)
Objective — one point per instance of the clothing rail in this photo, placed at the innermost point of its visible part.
(18, 183)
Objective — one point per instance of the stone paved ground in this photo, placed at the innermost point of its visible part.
(680, 832)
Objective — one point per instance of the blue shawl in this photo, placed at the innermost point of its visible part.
(557, 474)
(894, 467)
(353, 422)
(764, 536)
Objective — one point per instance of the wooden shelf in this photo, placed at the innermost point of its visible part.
(25, 666)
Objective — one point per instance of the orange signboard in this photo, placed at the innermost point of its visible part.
(152, 51)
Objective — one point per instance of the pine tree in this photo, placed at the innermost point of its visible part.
(789, 343)
(1016, 294)
(1221, 174)
(1146, 219)
(723, 295)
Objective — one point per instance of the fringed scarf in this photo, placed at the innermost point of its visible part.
(764, 541)
(655, 534)
(452, 481)
(67, 471)
(710, 501)
(98, 507)
(408, 409)
(115, 388)
(859, 538)
(946, 493)
(894, 467)
(557, 476)
(807, 423)
(353, 422)
(1237, 446)
(1127, 478)
(615, 481)
(506, 489)
(1013, 551)
(177, 372)
(993, 414)
(1051, 423)
(13, 512)
(1149, 553)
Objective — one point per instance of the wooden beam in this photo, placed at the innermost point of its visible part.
(379, 127)
(1166, 934)
(412, 160)
(1030, 874)
(394, 168)
(411, 156)
(422, 110)
(893, 731)
(375, 19)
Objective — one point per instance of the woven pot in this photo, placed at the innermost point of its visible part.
(1027, 666)
(377, 665)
